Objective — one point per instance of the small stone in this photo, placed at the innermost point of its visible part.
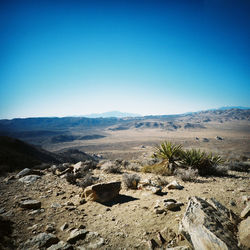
(33, 228)
(156, 190)
(64, 226)
(160, 238)
(61, 245)
(174, 185)
(9, 178)
(242, 190)
(42, 240)
(159, 211)
(2, 210)
(37, 211)
(245, 198)
(69, 208)
(98, 243)
(232, 203)
(56, 205)
(24, 172)
(77, 234)
(9, 213)
(30, 204)
(50, 228)
(82, 201)
(152, 244)
(246, 212)
(173, 205)
(60, 193)
(178, 248)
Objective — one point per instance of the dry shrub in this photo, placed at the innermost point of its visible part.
(87, 180)
(187, 174)
(131, 180)
(160, 169)
(161, 181)
(220, 170)
(111, 168)
(133, 167)
(71, 178)
(239, 166)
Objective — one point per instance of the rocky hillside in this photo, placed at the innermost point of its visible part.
(16, 154)
(110, 206)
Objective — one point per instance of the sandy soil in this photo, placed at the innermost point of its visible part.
(128, 222)
(126, 144)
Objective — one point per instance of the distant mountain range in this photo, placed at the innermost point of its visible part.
(50, 131)
(109, 114)
(233, 107)
(118, 114)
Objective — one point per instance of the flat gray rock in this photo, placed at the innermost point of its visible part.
(77, 234)
(24, 172)
(30, 204)
(42, 240)
(29, 179)
(61, 245)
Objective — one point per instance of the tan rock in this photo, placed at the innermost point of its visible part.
(174, 185)
(102, 192)
(246, 212)
(244, 232)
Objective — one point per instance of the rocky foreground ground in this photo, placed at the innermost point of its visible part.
(49, 209)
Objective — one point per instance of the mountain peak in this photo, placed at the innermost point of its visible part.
(114, 113)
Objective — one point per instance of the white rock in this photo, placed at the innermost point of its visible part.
(29, 179)
(24, 172)
(174, 185)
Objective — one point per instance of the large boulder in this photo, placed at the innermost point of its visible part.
(244, 232)
(207, 227)
(102, 192)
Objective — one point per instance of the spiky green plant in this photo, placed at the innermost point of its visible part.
(168, 151)
(200, 160)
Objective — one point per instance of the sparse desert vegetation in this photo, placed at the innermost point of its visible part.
(112, 193)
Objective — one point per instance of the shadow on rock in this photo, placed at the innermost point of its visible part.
(120, 199)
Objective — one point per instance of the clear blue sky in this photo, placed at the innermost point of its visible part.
(63, 58)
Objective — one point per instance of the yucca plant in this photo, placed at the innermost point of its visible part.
(168, 152)
(200, 160)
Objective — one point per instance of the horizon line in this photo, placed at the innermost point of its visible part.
(137, 115)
